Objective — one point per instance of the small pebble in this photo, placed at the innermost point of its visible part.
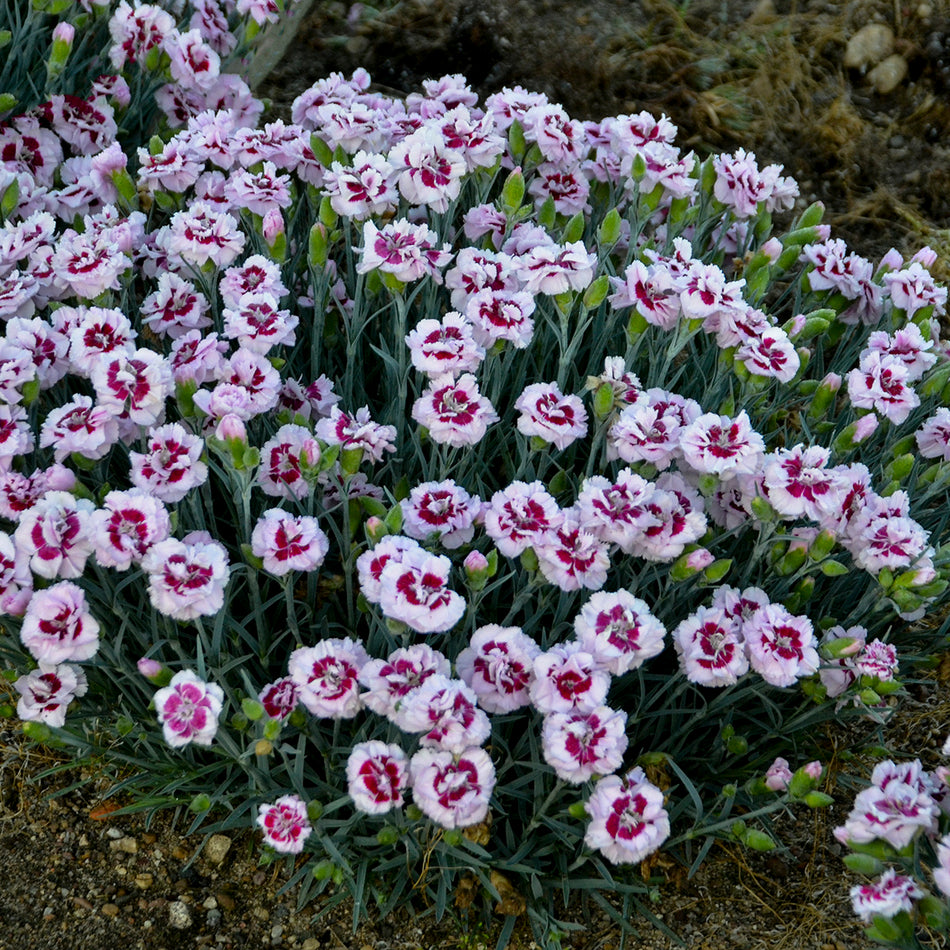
(114, 833)
(216, 850)
(179, 916)
(276, 932)
(143, 881)
(311, 943)
(869, 46)
(110, 910)
(214, 919)
(888, 74)
(125, 845)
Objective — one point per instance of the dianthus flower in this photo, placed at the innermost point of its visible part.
(678, 519)
(285, 824)
(498, 665)
(279, 698)
(47, 691)
(579, 745)
(365, 188)
(388, 682)
(651, 290)
(914, 288)
(933, 436)
(428, 171)
(188, 709)
(444, 711)
(556, 269)
(628, 820)
(781, 646)
(547, 413)
(55, 534)
(567, 677)
(79, 426)
(135, 385)
(202, 234)
(501, 315)
(719, 445)
(799, 483)
(326, 677)
(186, 580)
(770, 354)
(447, 346)
(443, 509)
(357, 431)
(897, 806)
(570, 556)
(618, 631)
(415, 591)
(710, 648)
(171, 467)
(519, 515)
(616, 511)
(377, 774)
(98, 332)
(175, 307)
(288, 543)
(284, 459)
(58, 627)
(452, 790)
(126, 526)
(454, 411)
(407, 251)
(886, 896)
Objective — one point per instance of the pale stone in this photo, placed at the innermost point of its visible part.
(869, 45)
(216, 850)
(888, 74)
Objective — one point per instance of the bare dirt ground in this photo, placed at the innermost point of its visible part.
(770, 77)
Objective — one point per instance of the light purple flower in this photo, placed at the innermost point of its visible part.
(188, 710)
(127, 525)
(55, 534)
(781, 646)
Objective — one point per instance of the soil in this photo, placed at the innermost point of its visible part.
(769, 77)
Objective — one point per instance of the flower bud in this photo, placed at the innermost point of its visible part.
(231, 427)
(375, 528)
(476, 570)
(772, 248)
(63, 36)
(778, 775)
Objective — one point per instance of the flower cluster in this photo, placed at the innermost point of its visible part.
(388, 443)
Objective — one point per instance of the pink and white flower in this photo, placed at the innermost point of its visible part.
(388, 682)
(710, 648)
(498, 665)
(285, 459)
(518, 516)
(579, 745)
(415, 592)
(288, 543)
(566, 678)
(572, 557)
(443, 509)
(454, 411)
(285, 824)
(628, 820)
(279, 698)
(377, 774)
(58, 627)
(445, 712)
(55, 534)
(407, 251)
(616, 512)
(172, 465)
(188, 710)
(781, 646)
(618, 631)
(46, 692)
(719, 445)
(327, 677)
(933, 436)
(444, 347)
(898, 805)
(127, 525)
(547, 413)
(186, 580)
(886, 896)
(452, 790)
(134, 384)
(357, 432)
